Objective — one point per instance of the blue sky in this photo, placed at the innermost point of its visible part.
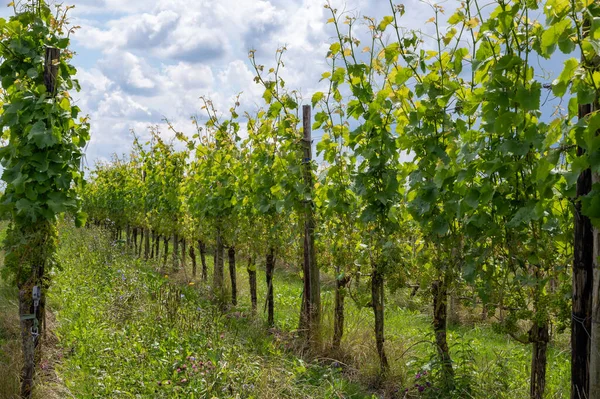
(140, 61)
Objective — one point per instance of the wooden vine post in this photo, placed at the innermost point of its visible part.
(310, 317)
(232, 274)
(51, 70)
(585, 363)
(219, 264)
(32, 299)
(270, 301)
(583, 245)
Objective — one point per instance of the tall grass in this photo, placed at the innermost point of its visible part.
(123, 330)
(10, 349)
(128, 331)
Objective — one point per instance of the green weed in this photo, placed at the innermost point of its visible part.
(128, 332)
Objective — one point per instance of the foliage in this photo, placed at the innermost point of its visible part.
(43, 132)
(127, 331)
(113, 308)
(441, 166)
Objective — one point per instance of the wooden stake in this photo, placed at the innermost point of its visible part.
(310, 317)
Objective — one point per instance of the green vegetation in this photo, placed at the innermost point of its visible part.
(478, 212)
(43, 137)
(127, 331)
(9, 342)
(442, 218)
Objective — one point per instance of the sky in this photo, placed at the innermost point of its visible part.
(143, 61)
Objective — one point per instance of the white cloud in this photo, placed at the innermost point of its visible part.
(148, 30)
(117, 105)
(185, 75)
(130, 72)
(193, 41)
(238, 76)
(149, 59)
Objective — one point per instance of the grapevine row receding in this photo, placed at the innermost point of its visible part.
(441, 167)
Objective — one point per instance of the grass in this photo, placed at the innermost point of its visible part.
(50, 386)
(9, 335)
(128, 332)
(487, 362)
(9, 342)
(125, 331)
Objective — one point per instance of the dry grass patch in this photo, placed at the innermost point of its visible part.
(49, 385)
(10, 350)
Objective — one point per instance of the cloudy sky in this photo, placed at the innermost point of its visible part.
(141, 61)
